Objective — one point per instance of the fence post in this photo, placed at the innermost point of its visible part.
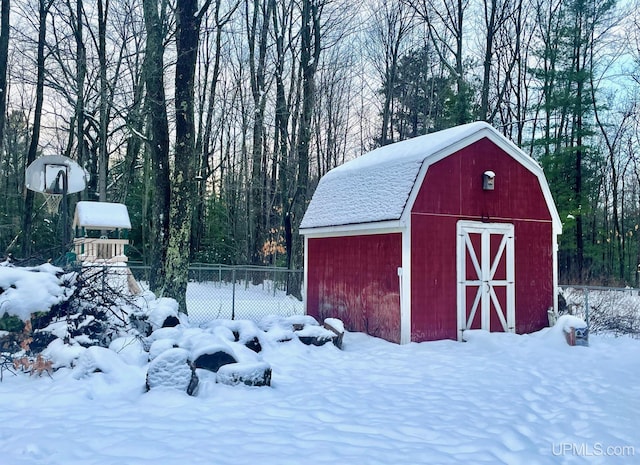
(586, 306)
(233, 294)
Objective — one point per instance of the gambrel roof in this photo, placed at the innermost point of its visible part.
(377, 187)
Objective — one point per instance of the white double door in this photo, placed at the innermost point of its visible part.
(486, 276)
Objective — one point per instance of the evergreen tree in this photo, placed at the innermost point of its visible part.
(422, 96)
(563, 145)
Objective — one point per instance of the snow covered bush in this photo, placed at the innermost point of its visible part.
(25, 294)
(85, 320)
(40, 304)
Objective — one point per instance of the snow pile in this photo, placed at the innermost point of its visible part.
(335, 323)
(24, 291)
(99, 360)
(152, 337)
(101, 215)
(176, 357)
(251, 374)
(497, 399)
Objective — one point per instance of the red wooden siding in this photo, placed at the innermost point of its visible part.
(355, 278)
(454, 186)
(534, 275)
(452, 191)
(433, 278)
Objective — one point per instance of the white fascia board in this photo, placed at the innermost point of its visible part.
(506, 145)
(533, 166)
(305, 277)
(405, 288)
(362, 229)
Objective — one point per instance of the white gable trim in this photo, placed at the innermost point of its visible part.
(506, 145)
(305, 276)
(360, 229)
(405, 288)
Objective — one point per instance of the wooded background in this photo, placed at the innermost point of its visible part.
(213, 120)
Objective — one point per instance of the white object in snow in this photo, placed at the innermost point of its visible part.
(101, 215)
(50, 173)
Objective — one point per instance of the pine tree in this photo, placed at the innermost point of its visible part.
(566, 115)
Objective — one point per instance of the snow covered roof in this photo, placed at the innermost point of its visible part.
(101, 215)
(376, 186)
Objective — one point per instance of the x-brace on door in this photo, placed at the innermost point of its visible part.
(486, 276)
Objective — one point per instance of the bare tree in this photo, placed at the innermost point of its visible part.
(310, 50)
(445, 21)
(503, 35)
(258, 18)
(5, 9)
(27, 221)
(392, 23)
(158, 138)
(209, 118)
(188, 20)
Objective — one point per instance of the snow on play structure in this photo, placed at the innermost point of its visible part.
(100, 227)
(103, 219)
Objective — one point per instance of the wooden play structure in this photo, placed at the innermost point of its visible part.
(100, 231)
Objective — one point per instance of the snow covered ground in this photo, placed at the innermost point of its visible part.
(497, 399)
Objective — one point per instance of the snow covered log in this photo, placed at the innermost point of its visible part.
(316, 335)
(250, 374)
(336, 326)
(172, 369)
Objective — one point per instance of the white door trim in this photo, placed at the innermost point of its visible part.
(484, 267)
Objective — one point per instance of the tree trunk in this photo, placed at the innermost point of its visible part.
(184, 183)
(102, 135)
(258, 32)
(281, 147)
(81, 72)
(309, 58)
(4, 51)
(462, 107)
(158, 145)
(27, 219)
(490, 7)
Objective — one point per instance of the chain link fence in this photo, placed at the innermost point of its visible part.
(605, 309)
(252, 292)
(236, 292)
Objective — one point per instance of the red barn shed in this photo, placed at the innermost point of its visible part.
(426, 238)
